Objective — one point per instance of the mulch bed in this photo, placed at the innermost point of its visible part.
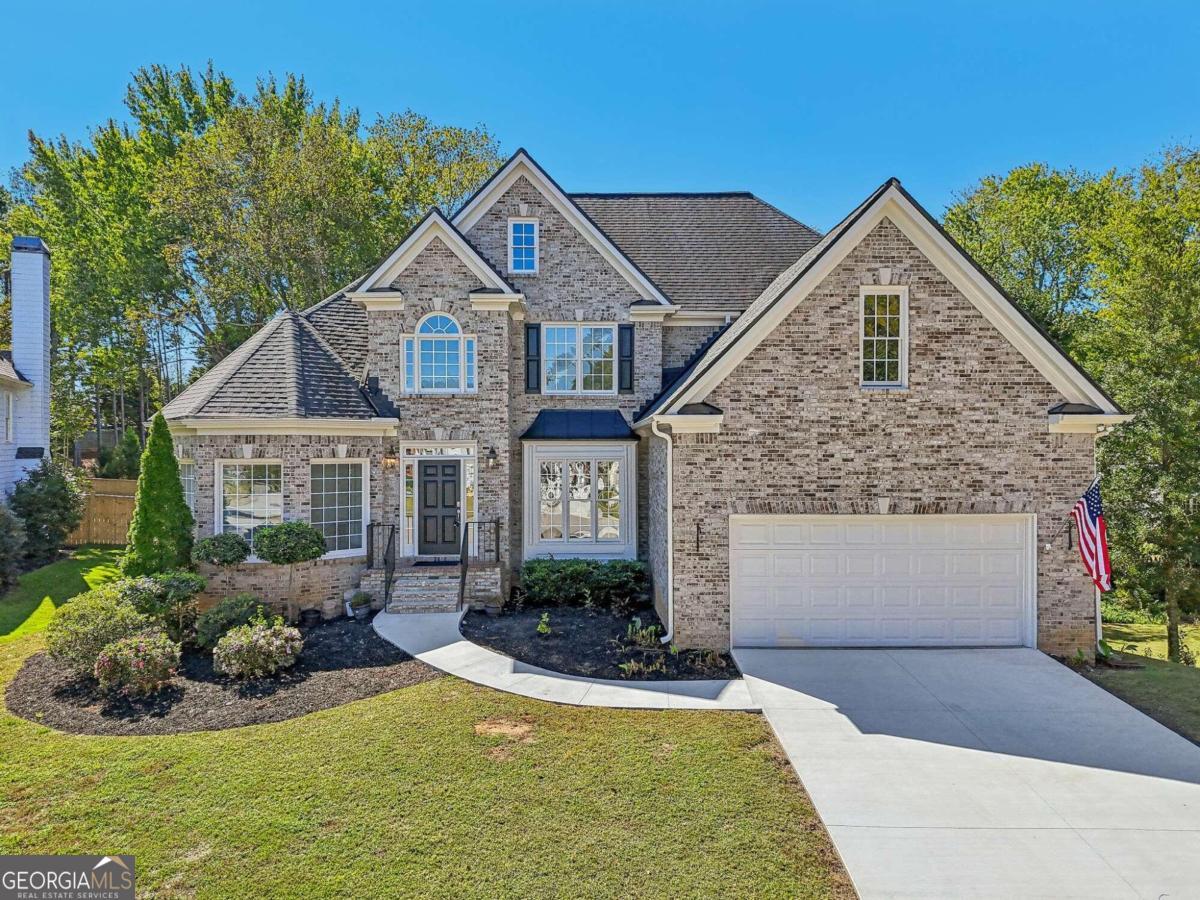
(342, 661)
(590, 642)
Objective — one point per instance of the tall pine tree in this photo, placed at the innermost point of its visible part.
(160, 535)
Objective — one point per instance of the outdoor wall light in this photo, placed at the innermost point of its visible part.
(492, 458)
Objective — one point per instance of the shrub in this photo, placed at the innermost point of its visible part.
(139, 665)
(12, 542)
(1114, 612)
(49, 501)
(257, 650)
(160, 534)
(288, 543)
(619, 585)
(83, 627)
(124, 461)
(232, 612)
(169, 597)
(360, 599)
(227, 549)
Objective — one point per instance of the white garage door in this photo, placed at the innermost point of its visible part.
(870, 581)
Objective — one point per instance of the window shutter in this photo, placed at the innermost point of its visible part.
(625, 359)
(533, 359)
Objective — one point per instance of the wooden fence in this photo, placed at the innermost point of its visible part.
(108, 513)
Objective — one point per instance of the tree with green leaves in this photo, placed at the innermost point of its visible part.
(125, 459)
(1030, 229)
(1147, 347)
(160, 534)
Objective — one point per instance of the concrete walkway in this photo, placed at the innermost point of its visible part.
(434, 639)
(983, 773)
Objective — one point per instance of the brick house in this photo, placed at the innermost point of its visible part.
(838, 440)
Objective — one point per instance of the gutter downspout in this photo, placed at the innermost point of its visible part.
(669, 636)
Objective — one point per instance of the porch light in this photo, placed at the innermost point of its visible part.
(492, 458)
(391, 459)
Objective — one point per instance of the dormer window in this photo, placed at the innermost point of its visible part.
(883, 336)
(523, 246)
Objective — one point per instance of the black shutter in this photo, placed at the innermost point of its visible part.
(625, 359)
(533, 359)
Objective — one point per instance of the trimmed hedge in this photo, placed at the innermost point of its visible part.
(288, 543)
(226, 549)
(620, 585)
(83, 627)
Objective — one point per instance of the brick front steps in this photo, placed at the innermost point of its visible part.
(431, 589)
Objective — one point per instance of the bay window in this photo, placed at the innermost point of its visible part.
(580, 500)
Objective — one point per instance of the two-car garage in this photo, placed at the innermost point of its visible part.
(889, 580)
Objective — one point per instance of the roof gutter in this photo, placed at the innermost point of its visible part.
(670, 635)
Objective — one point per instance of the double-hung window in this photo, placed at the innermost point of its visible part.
(579, 359)
(187, 478)
(523, 246)
(883, 336)
(338, 504)
(250, 496)
(439, 358)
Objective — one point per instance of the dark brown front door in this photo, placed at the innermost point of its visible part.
(438, 508)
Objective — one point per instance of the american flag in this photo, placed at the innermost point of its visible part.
(1093, 540)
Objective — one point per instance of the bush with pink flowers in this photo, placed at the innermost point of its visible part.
(138, 666)
(258, 649)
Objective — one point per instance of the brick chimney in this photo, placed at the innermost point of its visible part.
(30, 297)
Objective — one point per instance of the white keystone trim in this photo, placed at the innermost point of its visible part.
(377, 427)
(522, 164)
(433, 226)
(772, 307)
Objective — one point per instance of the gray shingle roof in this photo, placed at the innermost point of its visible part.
(285, 370)
(343, 324)
(705, 251)
(8, 370)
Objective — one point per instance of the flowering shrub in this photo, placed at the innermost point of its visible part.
(83, 627)
(259, 649)
(168, 597)
(138, 666)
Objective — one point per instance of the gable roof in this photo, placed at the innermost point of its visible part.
(8, 371)
(890, 200)
(285, 370)
(432, 226)
(522, 164)
(707, 251)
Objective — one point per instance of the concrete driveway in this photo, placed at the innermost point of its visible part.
(983, 773)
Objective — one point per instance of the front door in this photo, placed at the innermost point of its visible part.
(437, 514)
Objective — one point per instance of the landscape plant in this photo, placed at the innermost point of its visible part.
(139, 665)
(160, 534)
(287, 544)
(12, 542)
(258, 649)
(49, 501)
(80, 630)
(619, 585)
(168, 597)
(226, 549)
(214, 623)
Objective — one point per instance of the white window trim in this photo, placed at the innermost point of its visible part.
(218, 493)
(537, 245)
(366, 502)
(559, 451)
(875, 290)
(462, 337)
(180, 463)
(579, 391)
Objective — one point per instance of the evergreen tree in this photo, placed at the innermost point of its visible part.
(160, 535)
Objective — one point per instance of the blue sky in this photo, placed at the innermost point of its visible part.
(809, 106)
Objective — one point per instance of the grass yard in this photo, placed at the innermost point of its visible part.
(1149, 637)
(441, 789)
(1163, 690)
(27, 608)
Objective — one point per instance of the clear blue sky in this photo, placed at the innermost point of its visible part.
(809, 106)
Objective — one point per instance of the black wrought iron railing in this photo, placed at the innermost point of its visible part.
(381, 553)
(484, 539)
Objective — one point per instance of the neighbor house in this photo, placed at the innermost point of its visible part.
(25, 369)
(845, 439)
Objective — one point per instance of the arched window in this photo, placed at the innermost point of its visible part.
(439, 358)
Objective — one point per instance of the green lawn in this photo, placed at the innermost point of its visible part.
(442, 789)
(1149, 637)
(28, 607)
(1163, 690)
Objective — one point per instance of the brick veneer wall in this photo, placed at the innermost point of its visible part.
(968, 435)
(574, 283)
(321, 584)
(681, 341)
